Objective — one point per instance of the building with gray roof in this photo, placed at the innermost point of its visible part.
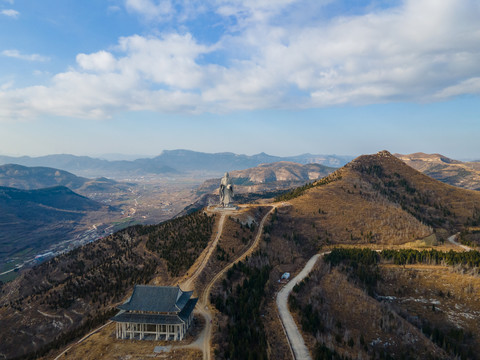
(155, 312)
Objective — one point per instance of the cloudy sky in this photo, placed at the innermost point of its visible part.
(280, 76)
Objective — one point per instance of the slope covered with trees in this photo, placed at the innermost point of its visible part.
(394, 303)
(80, 288)
(380, 202)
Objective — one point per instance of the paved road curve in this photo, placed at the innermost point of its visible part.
(452, 239)
(294, 337)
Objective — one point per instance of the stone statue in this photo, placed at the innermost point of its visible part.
(226, 191)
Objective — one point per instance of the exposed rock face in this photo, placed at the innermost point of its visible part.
(268, 177)
(444, 169)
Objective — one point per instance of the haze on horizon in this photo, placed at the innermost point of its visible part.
(282, 77)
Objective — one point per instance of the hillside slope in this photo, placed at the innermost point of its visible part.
(275, 176)
(439, 167)
(29, 178)
(32, 220)
(63, 298)
(378, 199)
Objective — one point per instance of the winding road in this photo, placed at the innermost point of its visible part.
(295, 339)
(454, 242)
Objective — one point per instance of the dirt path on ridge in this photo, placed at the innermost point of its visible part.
(204, 340)
(187, 284)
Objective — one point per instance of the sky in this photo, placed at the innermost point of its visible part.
(283, 77)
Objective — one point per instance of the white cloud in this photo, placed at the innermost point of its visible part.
(469, 86)
(18, 55)
(99, 61)
(10, 12)
(151, 9)
(395, 54)
(7, 85)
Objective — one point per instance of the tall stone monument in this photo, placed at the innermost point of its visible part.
(226, 191)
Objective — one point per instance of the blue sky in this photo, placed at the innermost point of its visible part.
(280, 76)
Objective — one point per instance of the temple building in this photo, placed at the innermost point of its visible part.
(155, 313)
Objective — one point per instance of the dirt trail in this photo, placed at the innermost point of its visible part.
(203, 307)
(187, 284)
(82, 339)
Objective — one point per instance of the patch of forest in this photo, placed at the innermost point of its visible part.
(180, 241)
(470, 236)
(240, 299)
(422, 204)
(298, 191)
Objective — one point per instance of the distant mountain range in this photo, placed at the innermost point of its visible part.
(169, 162)
(29, 178)
(442, 168)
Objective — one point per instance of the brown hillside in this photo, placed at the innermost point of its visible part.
(268, 177)
(453, 172)
(376, 199)
(283, 171)
(354, 324)
(360, 304)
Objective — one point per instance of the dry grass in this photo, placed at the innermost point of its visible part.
(447, 297)
(349, 211)
(347, 312)
(104, 345)
(456, 173)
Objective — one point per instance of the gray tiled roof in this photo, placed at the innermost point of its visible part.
(188, 308)
(147, 318)
(163, 299)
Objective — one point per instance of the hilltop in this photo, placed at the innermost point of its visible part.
(450, 171)
(379, 202)
(27, 178)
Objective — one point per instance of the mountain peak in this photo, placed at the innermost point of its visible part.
(381, 158)
(384, 153)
